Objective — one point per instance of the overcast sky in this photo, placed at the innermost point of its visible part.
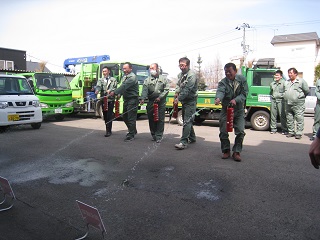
(147, 31)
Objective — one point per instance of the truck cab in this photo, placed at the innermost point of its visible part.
(18, 104)
(53, 91)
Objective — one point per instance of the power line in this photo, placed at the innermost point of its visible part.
(287, 24)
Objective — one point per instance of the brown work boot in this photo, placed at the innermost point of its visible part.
(236, 156)
(226, 154)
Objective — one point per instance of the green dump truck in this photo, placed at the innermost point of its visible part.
(257, 109)
(53, 91)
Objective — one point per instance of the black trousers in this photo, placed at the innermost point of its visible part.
(108, 116)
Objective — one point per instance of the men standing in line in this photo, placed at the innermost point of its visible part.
(187, 93)
(155, 88)
(296, 90)
(278, 103)
(232, 90)
(316, 123)
(129, 89)
(105, 85)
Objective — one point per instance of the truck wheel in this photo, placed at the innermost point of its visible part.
(179, 118)
(260, 121)
(59, 117)
(36, 125)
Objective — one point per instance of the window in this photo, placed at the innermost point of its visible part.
(10, 65)
(262, 78)
(2, 64)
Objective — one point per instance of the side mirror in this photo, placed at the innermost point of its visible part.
(80, 83)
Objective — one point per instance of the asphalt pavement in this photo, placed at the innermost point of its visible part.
(145, 190)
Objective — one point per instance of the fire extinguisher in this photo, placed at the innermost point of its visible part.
(175, 109)
(105, 103)
(116, 108)
(155, 112)
(230, 115)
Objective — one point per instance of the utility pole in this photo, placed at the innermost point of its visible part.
(245, 48)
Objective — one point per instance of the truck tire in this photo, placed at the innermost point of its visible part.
(260, 120)
(179, 118)
(36, 125)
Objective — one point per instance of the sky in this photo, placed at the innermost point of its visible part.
(147, 31)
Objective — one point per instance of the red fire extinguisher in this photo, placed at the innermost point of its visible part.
(175, 109)
(155, 112)
(117, 105)
(230, 115)
(105, 103)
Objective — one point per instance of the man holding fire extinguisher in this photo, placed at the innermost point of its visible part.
(105, 85)
(155, 88)
(232, 92)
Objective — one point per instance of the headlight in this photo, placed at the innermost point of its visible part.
(35, 103)
(43, 105)
(3, 105)
(70, 104)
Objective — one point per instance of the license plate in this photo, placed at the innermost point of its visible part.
(58, 110)
(143, 108)
(13, 117)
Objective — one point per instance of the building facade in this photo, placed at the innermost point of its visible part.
(12, 59)
(300, 51)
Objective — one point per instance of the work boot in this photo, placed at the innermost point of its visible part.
(236, 156)
(226, 154)
(108, 133)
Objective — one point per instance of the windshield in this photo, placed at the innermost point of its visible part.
(14, 86)
(46, 81)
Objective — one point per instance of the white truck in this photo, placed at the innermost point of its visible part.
(18, 104)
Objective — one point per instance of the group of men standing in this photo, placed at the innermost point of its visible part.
(155, 89)
(288, 102)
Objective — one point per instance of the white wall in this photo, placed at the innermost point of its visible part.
(300, 55)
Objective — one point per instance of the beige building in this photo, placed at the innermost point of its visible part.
(297, 50)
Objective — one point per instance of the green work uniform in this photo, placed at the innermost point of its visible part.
(129, 89)
(153, 88)
(295, 96)
(228, 90)
(278, 105)
(316, 123)
(104, 86)
(187, 88)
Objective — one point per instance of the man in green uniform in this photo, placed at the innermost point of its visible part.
(296, 90)
(232, 90)
(187, 93)
(129, 89)
(155, 88)
(104, 86)
(278, 103)
(316, 123)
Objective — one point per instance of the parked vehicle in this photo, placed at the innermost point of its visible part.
(258, 101)
(311, 101)
(53, 91)
(18, 104)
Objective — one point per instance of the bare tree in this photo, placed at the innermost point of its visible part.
(213, 73)
(42, 66)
